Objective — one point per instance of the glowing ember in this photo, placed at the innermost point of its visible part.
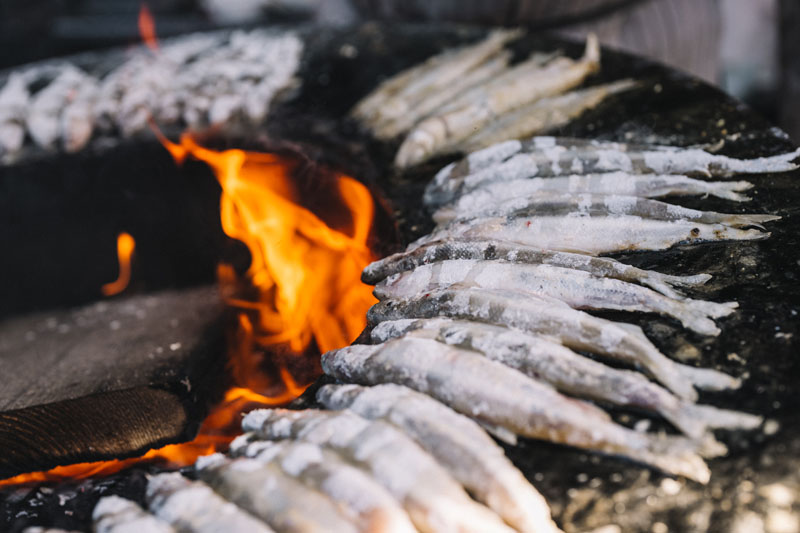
(125, 247)
(147, 28)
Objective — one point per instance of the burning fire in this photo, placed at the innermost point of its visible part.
(147, 28)
(125, 247)
(302, 293)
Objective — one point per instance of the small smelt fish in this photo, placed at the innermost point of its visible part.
(439, 132)
(387, 127)
(527, 407)
(457, 442)
(543, 115)
(194, 506)
(557, 156)
(509, 180)
(433, 499)
(363, 499)
(516, 253)
(113, 514)
(266, 492)
(547, 203)
(577, 288)
(575, 329)
(394, 95)
(590, 235)
(545, 359)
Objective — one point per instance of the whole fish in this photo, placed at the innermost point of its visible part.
(266, 492)
(489, 391)
(572, 328)
(545, 359)
(395, 95)
(363, 500)
(589, 235)
(387, 127)
(548, 203)
(436, 251)
(543, 115)
(438, 132)
(194, 506)
(577, 288)
(433, 499)
(546, 156)
(114, 514)
(510, 179)
(457, 442)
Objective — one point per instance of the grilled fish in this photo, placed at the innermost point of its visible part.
(545, 359)
(439, 132)
(266, 492)
(114, 514)
(574, 329)
(457, 442)
(606, 267)
(433, 499)
(589, 235)
(577, 288)
(499, 395)
(363, 500)
(548, 203)
(193, 506)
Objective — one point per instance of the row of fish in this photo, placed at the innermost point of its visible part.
(191, 81)
(379, 459)
(470, 98)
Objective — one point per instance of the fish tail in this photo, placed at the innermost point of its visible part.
(682, 463)
(663, 283)
(685, 281)
(694, 316)
(684, 419)
(730, 190)
(742, 221)
(708, 379)
(714, 417)
(760, 165)
(591, 55)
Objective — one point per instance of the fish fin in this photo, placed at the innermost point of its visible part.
(708, 378)
(591, 54)
(500, 433)
(715, 417)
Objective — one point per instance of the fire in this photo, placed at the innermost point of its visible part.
(147, 28)
(125, 247)
(301, 295)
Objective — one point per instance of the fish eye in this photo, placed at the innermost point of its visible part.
(695, 232)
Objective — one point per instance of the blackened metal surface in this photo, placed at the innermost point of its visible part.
(748, 487)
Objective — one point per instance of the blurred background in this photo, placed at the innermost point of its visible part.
(747, 47)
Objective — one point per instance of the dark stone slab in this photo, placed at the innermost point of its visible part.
(108, 380)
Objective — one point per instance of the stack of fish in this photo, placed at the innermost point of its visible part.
(192, 81)
(480, 328)
(469, 98)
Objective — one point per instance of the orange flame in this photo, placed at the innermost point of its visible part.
(147, 27)
(125, 247)
(306, 276)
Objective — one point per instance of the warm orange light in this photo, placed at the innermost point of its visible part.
(125, 247)
(147, 28)
(306, 275)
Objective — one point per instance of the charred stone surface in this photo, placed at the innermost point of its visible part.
(755, 487)
(109, 380)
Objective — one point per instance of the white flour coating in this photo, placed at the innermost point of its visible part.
(619, 205)
(114, 514)
(544, 141)
(615, 160)
(516, 167)
(553, 153)
(299, 457)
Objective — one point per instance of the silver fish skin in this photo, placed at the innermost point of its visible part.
(387, 127)
(589, 235)
(578, 289)
(494, 250)
(433, 499)
(362, 499)
(546, 359)
(457, 442)
(543, 115)
(548, 203)
(194, 506)
(266, 492)
(396, 94)
(572, 328)
(439, 132)
(558, 156)
(512, 179)
(525, 406)
(114, 514)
